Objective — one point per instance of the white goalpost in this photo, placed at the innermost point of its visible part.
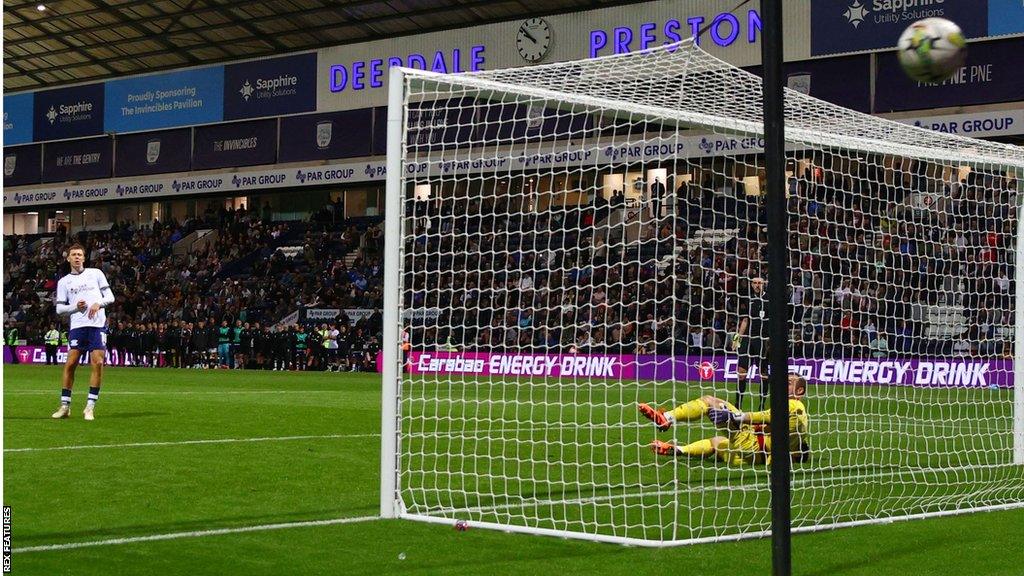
(567, 241)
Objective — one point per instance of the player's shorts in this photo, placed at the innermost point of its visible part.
(743, 447)
(753, 352)
(87, 338)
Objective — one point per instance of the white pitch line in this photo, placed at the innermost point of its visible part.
(195, 534)
(184, 392)
(188, 442)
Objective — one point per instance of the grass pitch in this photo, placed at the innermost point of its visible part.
(182, 471)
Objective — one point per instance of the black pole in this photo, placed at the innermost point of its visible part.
(778, 280)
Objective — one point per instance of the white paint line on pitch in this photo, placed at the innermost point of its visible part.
(189, 442)
(182, 393)
(195, 534)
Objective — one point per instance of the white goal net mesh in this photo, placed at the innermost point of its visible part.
(583, 237)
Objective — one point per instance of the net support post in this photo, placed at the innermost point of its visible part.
(392, 319)
(1018, 342)
(778, 281)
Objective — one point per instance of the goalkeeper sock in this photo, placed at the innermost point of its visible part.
(692, 410)
(65, 397)
(94, 395)
(699, 448)
(742, 382)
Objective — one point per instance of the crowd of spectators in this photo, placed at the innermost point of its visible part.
(341, 345)
(238, 272)
(909, 260)
(884, 261)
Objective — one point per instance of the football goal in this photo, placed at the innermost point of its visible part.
(567, 244)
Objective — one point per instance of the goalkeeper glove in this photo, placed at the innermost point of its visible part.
(736, 339)
(724, 418)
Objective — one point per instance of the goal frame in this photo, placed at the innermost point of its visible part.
(391, 505)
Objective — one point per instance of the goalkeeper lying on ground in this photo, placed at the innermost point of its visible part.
(749, 440)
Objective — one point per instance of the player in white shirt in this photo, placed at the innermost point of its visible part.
(82, 295)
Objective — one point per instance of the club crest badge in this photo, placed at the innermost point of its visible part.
(152, 151)
(324, 131)
(800, 82)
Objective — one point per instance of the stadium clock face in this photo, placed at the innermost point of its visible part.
(533, 39)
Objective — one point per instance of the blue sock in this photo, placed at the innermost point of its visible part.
(65, 396)
(94, 395)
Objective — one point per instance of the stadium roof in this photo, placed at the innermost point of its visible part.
(74, 41)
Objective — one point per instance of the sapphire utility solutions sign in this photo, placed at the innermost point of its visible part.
(839, 26)
(165, 100)
(270, 87)
(68, 112)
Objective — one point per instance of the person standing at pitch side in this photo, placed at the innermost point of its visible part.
(82, 295)
(753, 349)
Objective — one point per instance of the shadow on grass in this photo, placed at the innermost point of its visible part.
(887, 554)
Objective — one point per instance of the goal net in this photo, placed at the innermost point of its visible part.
(571, 240)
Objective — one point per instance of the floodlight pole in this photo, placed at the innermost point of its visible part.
(778, 280)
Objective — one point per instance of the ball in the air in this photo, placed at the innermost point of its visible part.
(931, 50)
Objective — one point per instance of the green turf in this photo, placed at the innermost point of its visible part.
(103, 493)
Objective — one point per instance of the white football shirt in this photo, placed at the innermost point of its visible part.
(89, 285)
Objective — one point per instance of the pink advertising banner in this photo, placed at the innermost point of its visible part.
(916, 372)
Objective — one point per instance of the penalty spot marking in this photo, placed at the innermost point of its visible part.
(195, 534)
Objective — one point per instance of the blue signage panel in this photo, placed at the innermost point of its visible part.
(992, 74)
(844, 80)
(22, 165)
(159, 101)
(1005, 17)
(18, 119)
(839, 26)
(239, 144)
(508, 122)
(380, 130)
(154, 152)
(78, 159)
(270, 87)
(67, 112)
(324, 136)
(440, 123)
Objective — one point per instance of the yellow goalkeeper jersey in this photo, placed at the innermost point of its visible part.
(798, 426)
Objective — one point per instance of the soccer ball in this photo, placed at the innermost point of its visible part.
(932, 49)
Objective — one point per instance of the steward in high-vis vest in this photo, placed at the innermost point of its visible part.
(11, 339)
(51, 339)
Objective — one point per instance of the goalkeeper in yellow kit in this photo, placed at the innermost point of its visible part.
(749, 440)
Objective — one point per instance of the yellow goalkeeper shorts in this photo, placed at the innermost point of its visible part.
(742, 447)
